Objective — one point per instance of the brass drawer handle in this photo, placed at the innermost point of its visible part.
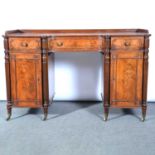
(126, 43)
(59, 44)
(24, 44)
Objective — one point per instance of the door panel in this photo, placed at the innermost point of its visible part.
(26, 79)
(126, 78)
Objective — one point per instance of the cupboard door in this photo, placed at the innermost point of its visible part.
(126, 78)
(26, 80)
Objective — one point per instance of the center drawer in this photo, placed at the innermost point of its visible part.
(63, 44)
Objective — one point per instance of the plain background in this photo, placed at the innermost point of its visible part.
(78, 76)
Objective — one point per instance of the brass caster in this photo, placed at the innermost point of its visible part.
(8, 118)
(45, 118)
(105, 117)
(142, 119)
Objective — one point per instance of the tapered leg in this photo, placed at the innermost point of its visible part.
(144, 112)
(9, 110)
(145, 77)
(106, 112)
(8, 81)
(106, 78)
(45, 77)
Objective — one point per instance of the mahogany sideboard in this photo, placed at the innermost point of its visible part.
(125, 65)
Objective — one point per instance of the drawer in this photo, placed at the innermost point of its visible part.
(76, 44)
(24, 43)
(127, 43)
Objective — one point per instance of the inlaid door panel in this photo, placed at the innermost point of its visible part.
(126, 78)
(26, 79)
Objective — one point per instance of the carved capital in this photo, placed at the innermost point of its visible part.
(107, 42)
(6, 45)
(146, 42)
(44, 44)
(100, 44)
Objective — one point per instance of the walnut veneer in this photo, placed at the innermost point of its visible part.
(125, 61)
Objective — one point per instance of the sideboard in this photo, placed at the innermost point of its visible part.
(124, 54)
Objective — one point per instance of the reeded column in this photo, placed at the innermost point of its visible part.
(8, 80)
(145, 77)
(45, 76)
(106, 83)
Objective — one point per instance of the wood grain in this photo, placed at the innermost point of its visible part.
(124, 58)
(127, 43)
(24, 44)
(26, 80)
(70, 44)
(126, 78)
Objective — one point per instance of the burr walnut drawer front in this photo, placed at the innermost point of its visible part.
(24, 43)
(127, 43)
(75, 44)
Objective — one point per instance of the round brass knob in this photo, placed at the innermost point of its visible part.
(24, 44)
(126, 43)
(59, 44)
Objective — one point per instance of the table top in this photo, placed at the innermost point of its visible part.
(76, 32)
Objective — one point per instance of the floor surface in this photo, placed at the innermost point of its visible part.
(77, 128)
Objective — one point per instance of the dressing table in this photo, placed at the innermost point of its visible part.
(124, 54)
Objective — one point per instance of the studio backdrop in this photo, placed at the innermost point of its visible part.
(78, 76)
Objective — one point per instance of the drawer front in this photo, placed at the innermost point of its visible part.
(76, 44)
(127, 43)
(24, 43)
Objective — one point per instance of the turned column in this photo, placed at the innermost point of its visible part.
(145, 77)
(45, 76)
(8, 81)
(106, 75)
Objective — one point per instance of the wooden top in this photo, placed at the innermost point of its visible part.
(75, 32)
